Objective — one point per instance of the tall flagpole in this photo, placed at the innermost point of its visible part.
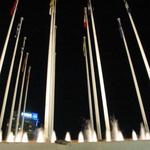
(49, 108)
(100, 73)
(21, 93)
(88, 83)
(53, 79)
(7, 37)
(96, 105)
(25, 98)
(10, 74)
(134, 78)
(52, 82)
(15, 90)
(138, 39)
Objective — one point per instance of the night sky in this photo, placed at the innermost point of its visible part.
(71, 99)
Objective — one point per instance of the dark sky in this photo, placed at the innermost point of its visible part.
(71, 101)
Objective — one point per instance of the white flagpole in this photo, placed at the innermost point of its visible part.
(88, 83)
(15, 90)
(138, 39)
(53, 79)
(52, 85)
(7, 37)
(10, 74)
(134, 77)
(48, 101)
(100, 73)
(25, 98)
(21, 94)
(96, 105)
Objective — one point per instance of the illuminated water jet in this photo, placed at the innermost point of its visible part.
(147, 136)
(116, 133)
(80, 137)
(40, 136)
(142, 132)
(120, 136)
(53, 137)
(90, 134)
(68, 137)
(94, 136)
(0, 136)
(25, 138)
(18, 137)
(134, 136)
(10, 138)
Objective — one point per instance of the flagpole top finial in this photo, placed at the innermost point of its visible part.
(21, 18)
(119, 20)
(25, 37)
(27, 53)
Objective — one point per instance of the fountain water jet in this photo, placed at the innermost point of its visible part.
(0, 136)
(53, 137)
(120, 136)
(88, 132)
(68, 137)
(25, 138)
(142, 132)
(10, 138)
(134, 136)
(80, 137)
(147, 136)
(94, 136)
(18, 137)
(40, 137)
(116, 133)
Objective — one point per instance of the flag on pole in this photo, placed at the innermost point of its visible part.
(85, 22)
(13, 7)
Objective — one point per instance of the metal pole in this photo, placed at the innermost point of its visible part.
(96, 105)
(134, 78)
(21, 94)
(15, 90)
(53, 79)
(100, 73)
(48, 101)
(25, 99)
(7, 37)
(138, 39)
(88, 83)
(10, 74)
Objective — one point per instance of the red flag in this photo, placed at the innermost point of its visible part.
(13, 8)
(85, 22)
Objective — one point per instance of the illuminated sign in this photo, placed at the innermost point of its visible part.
(33, 116)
